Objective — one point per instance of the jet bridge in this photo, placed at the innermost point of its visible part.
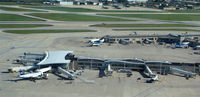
(151, 75)
(33, 54)
(32, 57)
(186, 73)
(70, 75)
(27, 61)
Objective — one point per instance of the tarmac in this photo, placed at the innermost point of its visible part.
(118, 85)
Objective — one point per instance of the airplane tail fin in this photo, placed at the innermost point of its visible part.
(22, 73)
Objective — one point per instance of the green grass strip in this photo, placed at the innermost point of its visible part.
(13, 17)
(170, 17)
(143, 25)
(75, 17)
(9, 3)
(23, 25)
(156, 30)
(45, 31)
(184, 11)
(17, 9)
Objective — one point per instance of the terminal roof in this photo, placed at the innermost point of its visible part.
(55, 57)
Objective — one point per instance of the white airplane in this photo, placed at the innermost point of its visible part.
(39, 74)
(96, 40)
(97, 43)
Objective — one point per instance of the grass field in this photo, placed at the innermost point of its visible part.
(17, 9)
(68, 9)
(170, 17)
(22, 25)
(75, 17)
(12, 17)
(184, 11)
(143, 25)
(21, 3)
(8, 3)
(156, 30)
(45, 31)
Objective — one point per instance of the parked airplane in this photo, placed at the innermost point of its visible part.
(38, 74)
(182, 45)
(97, 43)
(96, 40)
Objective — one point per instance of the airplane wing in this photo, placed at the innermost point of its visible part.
(31, 75)
(44, 69)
